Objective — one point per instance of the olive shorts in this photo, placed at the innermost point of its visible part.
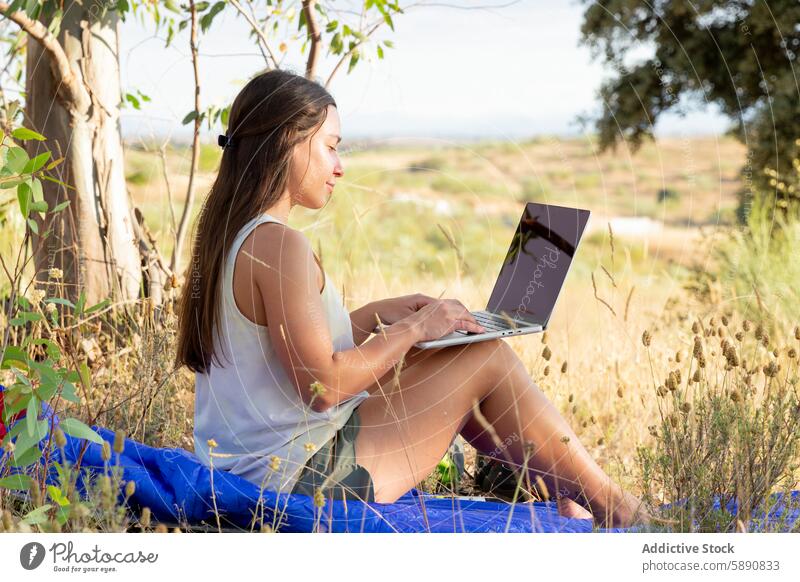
(334, 470)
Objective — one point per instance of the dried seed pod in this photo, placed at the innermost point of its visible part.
(792, 353)
(119, 441)
(144, 519)
(564, 368)
(546, 371)
(771, 370)
(600, 441)
(686, 407)
(696, 377)
(725, 321)
(105, 451)
(735, 396)
(546, 353)
(739, 336)
(696, 328)
(662, 391)
(646, 339)
(678, 356)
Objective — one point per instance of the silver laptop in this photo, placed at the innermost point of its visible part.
(531, 277)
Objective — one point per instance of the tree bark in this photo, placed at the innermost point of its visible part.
(98, 241)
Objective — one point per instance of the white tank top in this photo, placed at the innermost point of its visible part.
(248, 404)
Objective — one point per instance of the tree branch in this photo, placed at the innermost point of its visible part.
(315, 35)
(74, 94)
(262, 40)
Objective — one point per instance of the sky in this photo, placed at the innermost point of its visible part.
(499, 70)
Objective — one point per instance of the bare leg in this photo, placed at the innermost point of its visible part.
(407, 427)
(527, 425)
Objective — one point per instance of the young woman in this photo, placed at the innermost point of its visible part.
(292, 393)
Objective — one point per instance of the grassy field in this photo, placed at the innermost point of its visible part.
(438, 218)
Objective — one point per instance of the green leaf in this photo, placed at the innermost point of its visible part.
(57, 495)
(200, 6)
(380, 52)
(189, 117)
(31, 415)
(18, 481)
(39, 206)
(24, 134)
(14, 354)
(60, 301)
(12, 183)
(35, 163)
(26, 441)
(133, 101)
(353, 61)
(33, 225)
(24, 195)
(61, 206)
(30, 457)
(98, 306)
(38, 515)
(81, 302)
(74, 427)
(68, 392)
(171, 6)
(207, 19)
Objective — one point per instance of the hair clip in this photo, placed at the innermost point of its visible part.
(224, 141)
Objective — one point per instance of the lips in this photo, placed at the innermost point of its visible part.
(331, 185)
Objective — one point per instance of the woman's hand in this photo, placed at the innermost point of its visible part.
(441, 317)
(394, 309)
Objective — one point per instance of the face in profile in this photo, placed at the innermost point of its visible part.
(316, 165)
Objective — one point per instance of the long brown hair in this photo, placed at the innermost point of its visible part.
(273, 113)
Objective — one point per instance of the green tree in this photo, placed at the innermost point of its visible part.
(738, 55)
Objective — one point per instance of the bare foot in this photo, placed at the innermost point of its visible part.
(627, 513)
(568, 508)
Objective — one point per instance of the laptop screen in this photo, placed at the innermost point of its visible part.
(537, 262)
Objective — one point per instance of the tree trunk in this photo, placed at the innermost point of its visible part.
(98, 241)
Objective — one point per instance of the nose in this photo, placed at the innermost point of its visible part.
(338, 169)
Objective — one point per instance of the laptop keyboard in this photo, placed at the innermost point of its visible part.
(491, 321)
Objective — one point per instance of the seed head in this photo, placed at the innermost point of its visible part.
(662, 391)
(600, 442)
(55, 273)
(697, 350)
(542, 487)
(61, 439)
(317, 388)
(144, 519)
(759, 333)
(712, 322)
(686, 407)
(652, 430)
(546, 353)
(35, 296)
(274, 462)
(592, 420)
(212, 444)
(50, 308)
(544, 338)
(619, 392)
(571, 398)
(746, 325)
(696, 327)
(119, 441)
(725, 321)
(546, 371)
(739, 336)
(673, 420)
(161, 528)
(319, 498)
(797, 332)
(765, 340)
(735, 396)
(564, 368)
(574, 408)
(678, 356)
(105, 451)
(792, 353)
(646, 339)
(701, 361)
(130, 489)
(696, 377)
(771, 370)
(309, 447)
(565, 439)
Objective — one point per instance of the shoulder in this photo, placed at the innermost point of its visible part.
(273, 249)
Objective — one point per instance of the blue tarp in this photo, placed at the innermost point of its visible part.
(176, 487)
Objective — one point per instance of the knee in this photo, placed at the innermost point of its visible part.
(493, 355)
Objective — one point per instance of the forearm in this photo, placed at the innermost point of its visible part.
(363, 320)
(355, 370)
